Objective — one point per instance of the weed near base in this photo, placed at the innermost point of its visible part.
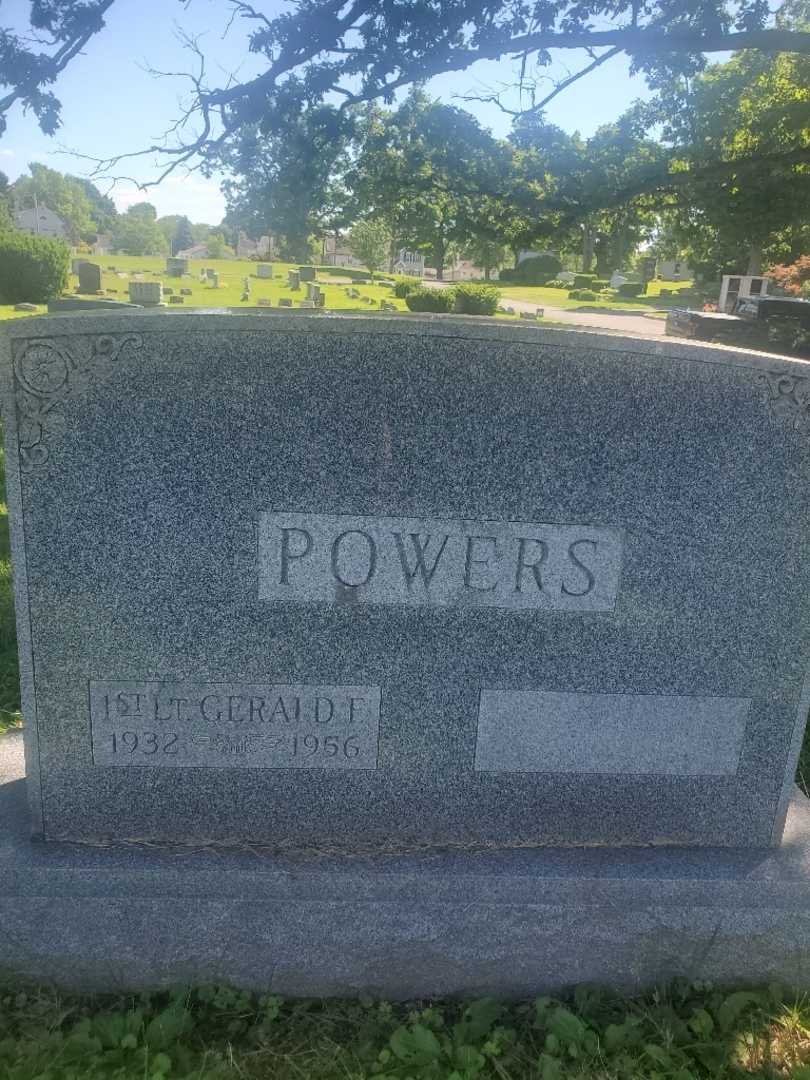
(688, 1031)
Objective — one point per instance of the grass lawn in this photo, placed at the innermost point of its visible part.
(685, 1033)
(641, 305)
(7, 312)
(232, 273)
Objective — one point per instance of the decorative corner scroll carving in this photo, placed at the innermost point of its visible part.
(46, 373)
(789, 398)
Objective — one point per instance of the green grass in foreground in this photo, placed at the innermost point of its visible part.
(686, 1033)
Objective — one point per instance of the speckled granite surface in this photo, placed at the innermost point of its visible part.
(513, 923)
(154, 446)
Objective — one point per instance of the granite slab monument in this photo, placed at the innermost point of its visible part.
(414, 589)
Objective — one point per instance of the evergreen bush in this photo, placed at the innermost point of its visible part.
(582, 294)
(422, 299)
(33, 269)
(475, 299)
(631, 288)
(403, 286)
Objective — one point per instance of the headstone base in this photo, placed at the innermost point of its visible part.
(509, 923)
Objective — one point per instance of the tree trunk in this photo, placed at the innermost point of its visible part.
(587, 249)
(487, 269)
(755, 260)
(439, 252)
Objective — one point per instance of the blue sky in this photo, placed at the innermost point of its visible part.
(112, 104)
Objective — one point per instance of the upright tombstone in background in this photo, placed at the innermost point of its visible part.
(146, 293)
(176, 267)
(365, 586)
(264, 270)
(89, 277)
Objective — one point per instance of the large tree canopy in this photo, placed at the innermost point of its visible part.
(355, 51)
(29, 65)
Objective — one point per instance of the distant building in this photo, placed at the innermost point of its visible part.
(408, 262)
(196, 251)
(41, 221)
(535, 255)
(246, 248)
(673, 270)
(103, 245)
(336, 252)
(462, 270)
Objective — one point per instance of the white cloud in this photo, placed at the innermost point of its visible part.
(198, 198)
(7, 153)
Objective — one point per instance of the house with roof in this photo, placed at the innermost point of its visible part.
(41, 221)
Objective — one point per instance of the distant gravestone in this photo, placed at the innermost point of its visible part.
(89, 277)
(306, 303)
(307, 273)
(146, 293)
(186, 292)
(167, 291)
(264, 302)
(264, 270)
(293, 280)
(176, 267)
(26, 307)
(176, 298)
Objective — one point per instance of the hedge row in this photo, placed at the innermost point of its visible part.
(464, 299)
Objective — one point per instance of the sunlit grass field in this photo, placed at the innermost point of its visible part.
(232, 274)
(538, 294)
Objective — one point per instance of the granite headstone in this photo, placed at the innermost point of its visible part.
(376, 584)
(89, 277)
(147, 293)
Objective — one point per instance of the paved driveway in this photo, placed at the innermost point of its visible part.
(606, 319)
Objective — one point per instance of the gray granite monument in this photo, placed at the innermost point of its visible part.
(498, 629)
(89, 277)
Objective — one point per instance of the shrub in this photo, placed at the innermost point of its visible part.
(557, 284)
(583, 281)
(538, 269)
(475, 299)
(403, 286)
(534, 271)
(631, 288)
(598, 284)
(793, 276)
(422, 299)
(582, 294)
(33, 269)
